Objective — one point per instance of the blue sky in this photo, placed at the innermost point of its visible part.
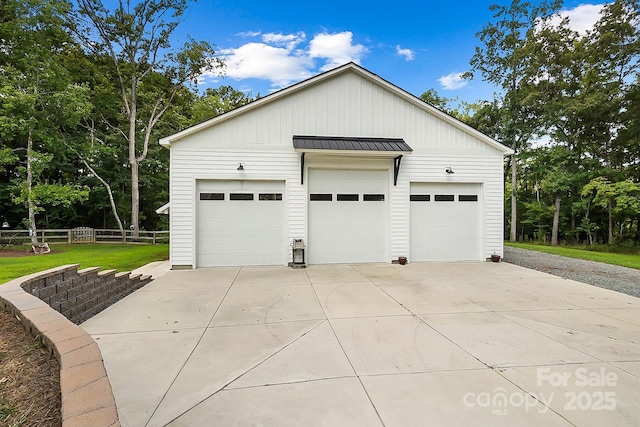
(416, 45)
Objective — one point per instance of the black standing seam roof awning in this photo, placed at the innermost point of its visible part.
(396, 147)
(350, 144)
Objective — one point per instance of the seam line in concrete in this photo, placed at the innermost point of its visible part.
(204, 331)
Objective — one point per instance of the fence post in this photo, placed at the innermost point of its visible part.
(69, 236)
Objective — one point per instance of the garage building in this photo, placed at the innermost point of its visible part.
(360, 169)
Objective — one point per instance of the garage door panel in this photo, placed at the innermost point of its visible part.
(240, 232)
(446, 230)
(348, 231)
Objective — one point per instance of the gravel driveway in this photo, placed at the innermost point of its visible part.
(621, 279)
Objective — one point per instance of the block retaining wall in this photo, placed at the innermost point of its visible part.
(50, 304)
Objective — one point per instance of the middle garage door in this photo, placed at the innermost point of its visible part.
(348, 216)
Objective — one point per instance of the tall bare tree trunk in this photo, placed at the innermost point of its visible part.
(556, 221)
(513, 235)
(110, 193)
(135, 196)
(610, 222)
(133, 161)
(589, 232)
(31, 205)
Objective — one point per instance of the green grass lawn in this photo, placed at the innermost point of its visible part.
(107, 256)
(625, 260)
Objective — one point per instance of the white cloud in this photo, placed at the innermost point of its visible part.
(288, 40)
(249, 34)
(407, 53)
(581, 18)
(337, 49)
(453, 81)
(261, 61)
(284, 58)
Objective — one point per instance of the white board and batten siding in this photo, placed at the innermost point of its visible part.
(189, 168)
(483, 171)
(347, 103)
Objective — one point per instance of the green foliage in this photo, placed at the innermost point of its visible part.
(7, 157)
(75, 80)
(107, 256)
(568, 106)
(40, 103)
(505, 60)
(488, 118)
(53, 195)
(461, 110)
(621, 199)
(149, 73)
(539, 216)
(74, 77)
(218, 101)
(433, 97)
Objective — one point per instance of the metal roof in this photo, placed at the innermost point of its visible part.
(350, 143)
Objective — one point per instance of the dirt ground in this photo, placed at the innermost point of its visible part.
(21, 251)
(14, 252)
(29, 379)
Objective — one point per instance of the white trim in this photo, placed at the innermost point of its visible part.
(164, 209)
(350, 67)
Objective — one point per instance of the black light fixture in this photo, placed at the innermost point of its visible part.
(240, 167)
(449, 170)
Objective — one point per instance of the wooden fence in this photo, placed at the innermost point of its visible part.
(82, 235)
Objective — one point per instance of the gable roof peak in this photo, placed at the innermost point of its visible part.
(347, 67)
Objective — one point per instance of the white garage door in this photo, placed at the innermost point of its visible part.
(446, 222)
(240, 223)
(348, 216)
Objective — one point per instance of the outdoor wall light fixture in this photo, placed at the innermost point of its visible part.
(449, 170)
(240, 167)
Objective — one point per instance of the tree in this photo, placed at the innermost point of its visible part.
(137, 40)
(218, 101)
(544, 182)
(615, 47)
(455, 107)
(578, 86)
(621, 200)
(432, 97)
(39, 102)
(557, 182)
(504, 60)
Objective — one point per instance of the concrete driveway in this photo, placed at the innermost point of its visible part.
(372, 345)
